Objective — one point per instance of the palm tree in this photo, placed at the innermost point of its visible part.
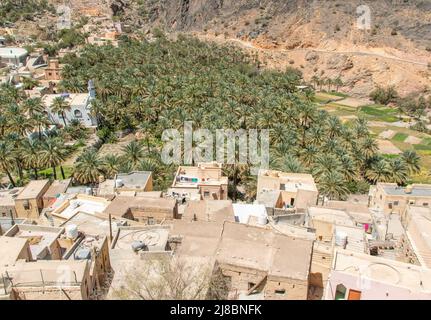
(338, 83)
(133, 154)
(88, 168)
(379, 171)
(30, 152)
(32, 106)
(332, 185)
(288, 163)
(40, 120)
(112, 164)
(315, 80)
(399, 171)
(60, 106)
(53, 153)
(6, 160)
(29, 83)
(412, 160)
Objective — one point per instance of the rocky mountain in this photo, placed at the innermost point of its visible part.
(322, 38)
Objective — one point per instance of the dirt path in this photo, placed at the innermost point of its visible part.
(250, 45)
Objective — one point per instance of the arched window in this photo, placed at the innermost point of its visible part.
(77, 113)
(340, 292)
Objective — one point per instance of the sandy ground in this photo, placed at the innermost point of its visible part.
(387, 147)
(413, 140)
(387, 134)
(353, 102)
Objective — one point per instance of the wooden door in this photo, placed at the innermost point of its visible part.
(354, 295)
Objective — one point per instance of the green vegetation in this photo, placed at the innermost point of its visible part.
(156, 86)
(13, 10)
(399, 136)
(27, 149)
(380, 113)
(384, 95)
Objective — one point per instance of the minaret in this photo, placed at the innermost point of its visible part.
(91, 89)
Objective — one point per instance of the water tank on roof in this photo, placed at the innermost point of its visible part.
(72, 231)
(262, 219)
(119, 183)
(83, 254)
(341, 239)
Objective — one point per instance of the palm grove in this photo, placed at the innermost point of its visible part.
(152, 86)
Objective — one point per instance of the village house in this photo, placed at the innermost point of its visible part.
(147, 210)
(29, 203)
(265, 263)
(209, 210)
(53, 71)
(49, 280)
(90, 234)
(205, 181)
(80, 108)
(132, 246)
(389, 198)
(133, 182)
(280, 191)
(417, 241)
(358, 276)
(67, 206)
(7, 202)
(43, 241)
(55, 190)
(13, 56)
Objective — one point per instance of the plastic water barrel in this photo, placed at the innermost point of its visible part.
(71, 231)
(341, 239)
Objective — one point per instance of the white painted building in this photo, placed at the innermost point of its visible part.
(80, 108)
(15, 56)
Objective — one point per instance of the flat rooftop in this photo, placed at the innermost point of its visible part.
(202, 174)
(199, 238)
(12, 52)
(383, 270)
(359, 211)
(80, 203)
(7, 197)
(263, 249)
(39, 237)
(356, 240)
(34, 189)
(337, 217)
(74, 99)
(155, 237)
(244, 211)
(54, 272)
(134, 180)
(57, 187)
(209, 210)
(91, 225)
(121, 204)
(416, 190)
(291, 181)
(10, 249)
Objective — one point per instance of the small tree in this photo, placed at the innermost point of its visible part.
(171, 278)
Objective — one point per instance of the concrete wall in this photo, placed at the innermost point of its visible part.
(158, 214)
(220, 191)
(370, 289)
(293, 289)
(274, 288)
(35, 205)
